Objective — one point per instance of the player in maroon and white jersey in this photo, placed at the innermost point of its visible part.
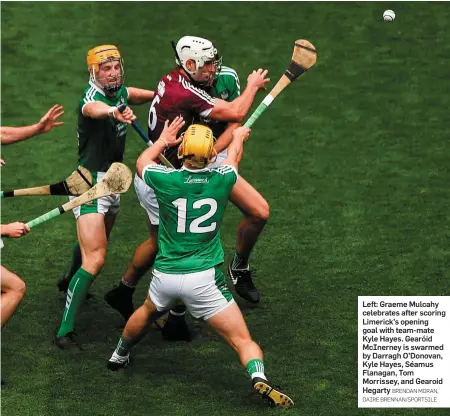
(181, 92)
(177, 96)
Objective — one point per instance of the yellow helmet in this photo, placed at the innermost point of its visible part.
(197, 146)
(100, 54)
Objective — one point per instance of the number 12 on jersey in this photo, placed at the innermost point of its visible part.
(197, 225)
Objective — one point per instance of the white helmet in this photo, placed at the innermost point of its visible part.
(199, 50)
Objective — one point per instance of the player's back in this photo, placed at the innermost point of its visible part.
(191, 208)
(175, 96)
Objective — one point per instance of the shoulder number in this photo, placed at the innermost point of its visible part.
(152, 118)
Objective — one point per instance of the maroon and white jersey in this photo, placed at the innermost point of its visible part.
(176, 96)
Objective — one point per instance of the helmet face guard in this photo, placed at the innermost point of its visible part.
(100, 55)
(197, 148)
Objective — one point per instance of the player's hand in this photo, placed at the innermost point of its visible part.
(241, 133)
(49, 120)
(2, 163)
(127, 116)
(169, 133)
(15, 229)
(258, 79)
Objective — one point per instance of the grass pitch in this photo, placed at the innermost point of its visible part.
(353, 159)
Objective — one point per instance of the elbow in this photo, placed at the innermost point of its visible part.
(239, 117)
(139, 167)
(237, 114)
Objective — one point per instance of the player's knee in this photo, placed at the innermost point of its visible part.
(149, 307)
(261, 212)
(264, 211)
(95, 261)
(241, 341)
(20, 287)
(152, 245)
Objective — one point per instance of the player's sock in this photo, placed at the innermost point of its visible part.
(123, 347)
(125, 288)
(76, 262)
(179, 310)
(255, 368)
(239, 262)
(76, 293)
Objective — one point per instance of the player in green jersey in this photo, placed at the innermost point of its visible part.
(192, 202)
(225, 85)
(102, 130)
(245, 197)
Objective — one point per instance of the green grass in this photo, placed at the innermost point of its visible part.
(353, 159)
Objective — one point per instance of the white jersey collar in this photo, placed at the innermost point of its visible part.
(96, 87)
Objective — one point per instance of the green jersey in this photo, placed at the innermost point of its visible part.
(226, 86)
(191, 207)
(100, 141)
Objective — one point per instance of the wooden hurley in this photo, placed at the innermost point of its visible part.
(76, 184)
(116, 181)
(303, 58)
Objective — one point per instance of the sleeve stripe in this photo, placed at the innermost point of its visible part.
(206, 113)
(226, 169)
(231, 74)
(226, 72)
(89, 96)
(202, 94)
(228, 69)
(159, 169)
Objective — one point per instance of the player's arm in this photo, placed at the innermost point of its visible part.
(225, 138)
(238, 108)
(14, 229)
(99, 110)
(236, 147)
(10, 135)
(139, 95)
(233, 86)
(168, 138)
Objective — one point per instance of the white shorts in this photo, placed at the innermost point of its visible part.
(220, 158)
(147, 197)
(106, 205)
(204, 293)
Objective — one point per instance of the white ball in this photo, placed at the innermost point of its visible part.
(389, 15)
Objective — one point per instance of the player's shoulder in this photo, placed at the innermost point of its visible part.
(181, 93)
(154, 168)
(123, 92)
(228, 72)
(225, 170)
(92, 93)
(171, 77)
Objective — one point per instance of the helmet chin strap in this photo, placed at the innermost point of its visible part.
(109, 89)
(112, 89)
